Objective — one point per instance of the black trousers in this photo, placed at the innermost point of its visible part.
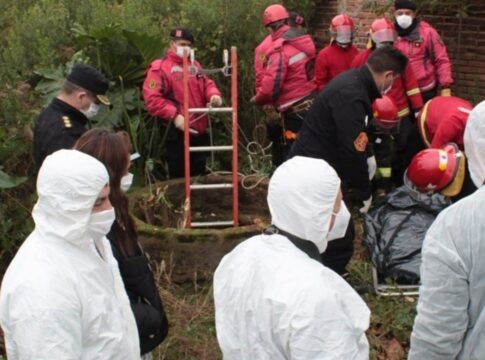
(175, 154)
(292, 122)
(275, 135)
(407, 143)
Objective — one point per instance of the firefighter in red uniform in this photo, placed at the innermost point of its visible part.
(273, 126)
(443, 120)
(427, 54)
(440, 170)
(336, 57)
(406, 96)
(287, 82)
(163, 96)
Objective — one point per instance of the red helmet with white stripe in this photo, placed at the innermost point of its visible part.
(385, 112)
(382, 31)
(434, 170)
(342, 29)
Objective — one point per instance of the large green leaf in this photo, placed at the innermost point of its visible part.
(7, 181)
(149, 47)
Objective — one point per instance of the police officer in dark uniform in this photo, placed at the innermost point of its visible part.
(335, 130)
(64, 120)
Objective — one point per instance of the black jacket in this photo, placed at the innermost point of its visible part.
(145, 300)
(57, 127)
(335, 128)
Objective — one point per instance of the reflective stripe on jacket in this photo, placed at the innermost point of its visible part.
(443, 120)
(405, 90)
(427, 56)
(288, 76)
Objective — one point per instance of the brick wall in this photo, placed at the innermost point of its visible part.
(463, 36)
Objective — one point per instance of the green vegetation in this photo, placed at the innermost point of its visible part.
(42, 39)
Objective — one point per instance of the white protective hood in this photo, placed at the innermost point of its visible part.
(68, 185)
(59, 298)
(297, 210)
(272, 300)
(474, 140)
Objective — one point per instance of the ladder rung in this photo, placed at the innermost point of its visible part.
(210, 148)
(212, 223)
(210, 109)
(210, 186)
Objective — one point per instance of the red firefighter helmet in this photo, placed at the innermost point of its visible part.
(342, 29)
(274, 13)
(385, 112)
(433, 170)
(382, 31)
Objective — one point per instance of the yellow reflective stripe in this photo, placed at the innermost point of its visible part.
(412, 92)
(403, 112)
(422, 119)
(385, 172)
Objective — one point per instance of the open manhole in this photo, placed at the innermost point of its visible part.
(159, 215)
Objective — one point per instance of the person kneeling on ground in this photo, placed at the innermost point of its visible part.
(451, 316)
(274, 299)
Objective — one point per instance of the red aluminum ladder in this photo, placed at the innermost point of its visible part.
(227, 70)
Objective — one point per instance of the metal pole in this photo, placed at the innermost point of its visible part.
(185, 79)
(235, 179)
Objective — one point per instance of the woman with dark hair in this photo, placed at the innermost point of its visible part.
(113, 150)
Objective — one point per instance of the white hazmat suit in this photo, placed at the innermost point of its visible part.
(451, 310)
(59, 298)
(275, 302)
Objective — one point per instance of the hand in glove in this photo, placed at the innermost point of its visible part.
(179, 122)
(216, 100)
(371, 166)
(364, 209)
(446, 92)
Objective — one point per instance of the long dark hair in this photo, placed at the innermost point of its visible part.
(113, 150)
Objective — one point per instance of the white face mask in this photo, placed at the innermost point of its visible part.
(180, 51)
(404, 21)
(100, 223)
(92, 111)
(126, 182)
(341, 223)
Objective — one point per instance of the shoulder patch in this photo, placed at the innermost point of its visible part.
(152, 84)
(360, 142)
(262, 57)
(67, 122)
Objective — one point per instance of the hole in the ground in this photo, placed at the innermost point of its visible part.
(164, 208)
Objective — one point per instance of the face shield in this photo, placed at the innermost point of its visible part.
(383, 36)
(343, 34)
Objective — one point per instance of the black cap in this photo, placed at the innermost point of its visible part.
(90, 79)
(295, 19)
(181, 33)
(405, 4)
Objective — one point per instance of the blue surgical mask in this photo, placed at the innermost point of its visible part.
(92, 111)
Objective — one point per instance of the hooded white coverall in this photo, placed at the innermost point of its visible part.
(59, 298)
(275, 302)
(451, 310)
